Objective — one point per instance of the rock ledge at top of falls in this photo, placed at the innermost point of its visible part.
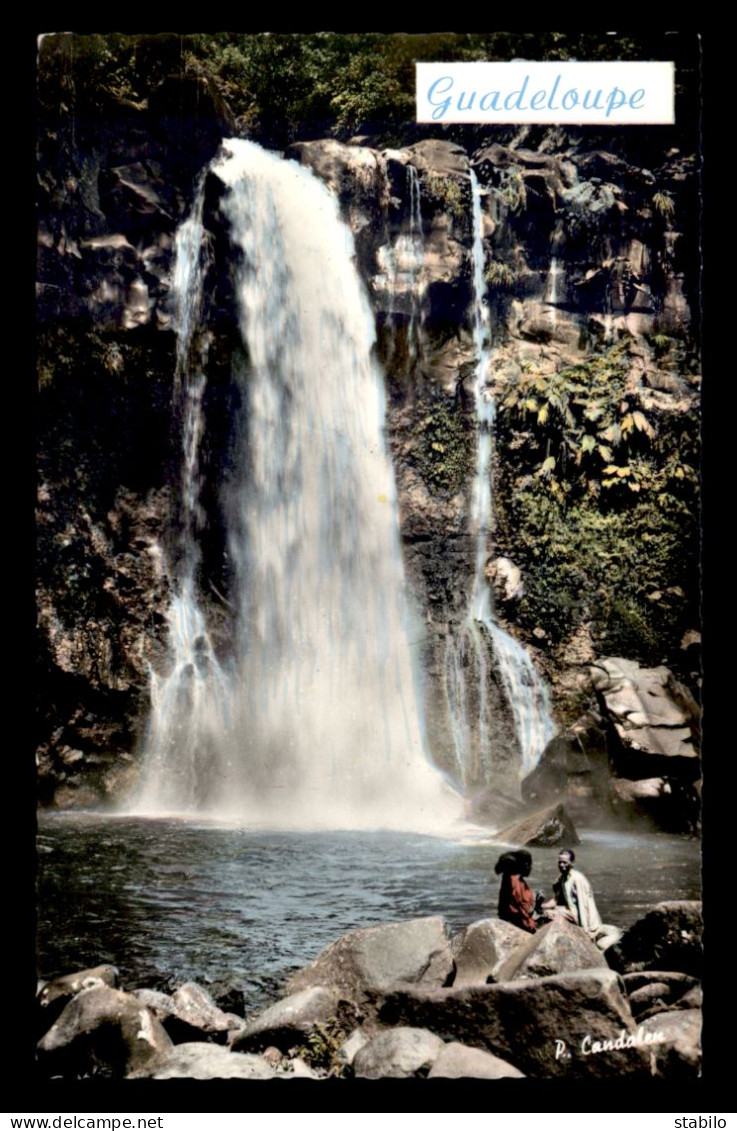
(416, 951)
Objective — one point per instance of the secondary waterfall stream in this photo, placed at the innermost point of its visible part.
(312, 721)
(525, 691)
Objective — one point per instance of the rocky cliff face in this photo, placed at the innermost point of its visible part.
(590, 276)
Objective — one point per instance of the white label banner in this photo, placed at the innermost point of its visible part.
(621, 93)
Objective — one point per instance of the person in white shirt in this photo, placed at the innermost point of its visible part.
(574, 899)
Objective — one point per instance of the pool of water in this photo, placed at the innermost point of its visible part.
(172, 900)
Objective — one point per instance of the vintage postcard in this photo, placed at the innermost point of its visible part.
(368, 556)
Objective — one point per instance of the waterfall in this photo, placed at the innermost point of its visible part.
(415, 257)
(400, 279)
(552, 283)
(313, 720)
(551, 288)
(525, 690)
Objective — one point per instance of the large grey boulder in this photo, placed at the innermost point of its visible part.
(417, 950)
(199, 1061)
(190, 1014)
(288, 1021)
(481, 949)
(456, 1061)
(644, 711)
(349, 1048)
(543, 828)
(104, 1027)
(677, 1042)
(545, 1027)
(403, 1051)
(559, 947)
(668, 937)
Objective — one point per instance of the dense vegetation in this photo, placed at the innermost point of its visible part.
(599, 505)
(284, 86)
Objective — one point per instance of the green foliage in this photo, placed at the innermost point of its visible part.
(323, 1045)
(664, 205)
(499, 276)
(282, 86)
(446, 192)
(512, 190)
(441, 449)
(661, 344)
(582, 424)
(599, 508)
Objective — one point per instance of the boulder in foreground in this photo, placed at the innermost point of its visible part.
(288, 1021)
(542, 1026)
(559, 947)
(457, 1061)
(103, 1027)
(668, 937)
(417, 950)
(400, 1052)
(482, 948)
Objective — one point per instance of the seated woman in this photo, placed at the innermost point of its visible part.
(516, 897)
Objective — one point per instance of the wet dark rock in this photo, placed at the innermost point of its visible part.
(457, 1061)
(544, 828)
(676, 982)
(557, 948)
(521, 1021)
(663, 993)
(104, 1031)
(666, 938)
(400, 1052)
(433, 155)
(562, 759)
(417, 950)
(482, 948)
(229, 996)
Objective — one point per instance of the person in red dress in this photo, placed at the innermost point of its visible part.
(517, 900)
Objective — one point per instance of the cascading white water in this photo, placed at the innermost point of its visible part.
(525, 690)
(314, 721)
(401, 273)
(551, 289)
(555, 271)
(416, 242)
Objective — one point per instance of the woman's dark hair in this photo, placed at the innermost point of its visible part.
(568, 852)
(517, 863)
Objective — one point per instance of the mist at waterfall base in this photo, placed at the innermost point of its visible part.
(169, 900)
(313, 720)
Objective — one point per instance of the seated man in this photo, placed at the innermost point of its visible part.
(574, 900)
